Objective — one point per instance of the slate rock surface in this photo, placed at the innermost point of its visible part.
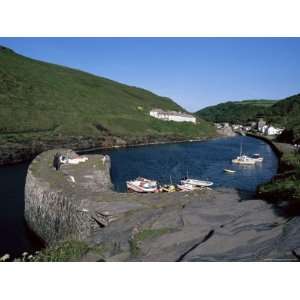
(209, 225)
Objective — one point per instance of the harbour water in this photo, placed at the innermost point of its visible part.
(204, 160)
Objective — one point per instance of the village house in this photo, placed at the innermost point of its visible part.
(236, 126)
(270, 130)
(260, 124)
(172, 116)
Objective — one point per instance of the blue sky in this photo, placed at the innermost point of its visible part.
(195, 72)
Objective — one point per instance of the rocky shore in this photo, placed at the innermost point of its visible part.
(78, 203)
(16, 152)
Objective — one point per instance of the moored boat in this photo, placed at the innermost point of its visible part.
(197, 182)
(229, 171)
(244, 160)
(142, 185)
(186, 187)
(257, 157)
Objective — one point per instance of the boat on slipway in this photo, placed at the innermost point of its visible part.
(142, 185)
(196, 182)
(186, 187)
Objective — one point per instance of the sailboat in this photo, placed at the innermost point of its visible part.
(195, 182)
(243, 159)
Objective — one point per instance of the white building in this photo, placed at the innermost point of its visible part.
(260, 124)
(172, 116)
(247, 128)
(236, 126)
(270, 130)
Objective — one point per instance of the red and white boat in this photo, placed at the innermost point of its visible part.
(186, 187)
(142, 185)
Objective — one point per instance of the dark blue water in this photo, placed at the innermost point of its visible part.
(15, 237)
(205, 160)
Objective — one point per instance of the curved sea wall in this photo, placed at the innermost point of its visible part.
(77, 203)
(54, 204)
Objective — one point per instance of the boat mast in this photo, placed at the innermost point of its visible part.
(241, 147)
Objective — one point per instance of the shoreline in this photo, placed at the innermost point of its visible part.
(27, 156)
(144, 145)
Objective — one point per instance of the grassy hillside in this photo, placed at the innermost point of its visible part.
(287, 113)
(235, 112)
(39, 100)
(284, 113)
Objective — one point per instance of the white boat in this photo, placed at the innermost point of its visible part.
(186, 187)
(142, 185)
(257, 157)
(244, 160)
(229, 171)
(196, 182)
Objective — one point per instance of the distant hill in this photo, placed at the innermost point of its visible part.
(259, 103)
(284, 113)
(287, 113)
(45, 102)
(236, 112)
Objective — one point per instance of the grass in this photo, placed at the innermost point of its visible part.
(286, 187)
(42, 101)
(143, 235)
(63, 252)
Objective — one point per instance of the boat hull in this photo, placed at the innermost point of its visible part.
(229, 171)
(195, 182)
(243, 162)
(141, 187)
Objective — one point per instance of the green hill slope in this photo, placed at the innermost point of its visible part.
(284, 113)
(236, 112)
(46, 103)
(287, 113)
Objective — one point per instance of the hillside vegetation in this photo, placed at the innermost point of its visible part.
(285, 187)
(284, 113)
(236, 112)
(41, 101)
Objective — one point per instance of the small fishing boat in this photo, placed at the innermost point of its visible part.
(196, 182)
(229, 171)
(142, 185)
